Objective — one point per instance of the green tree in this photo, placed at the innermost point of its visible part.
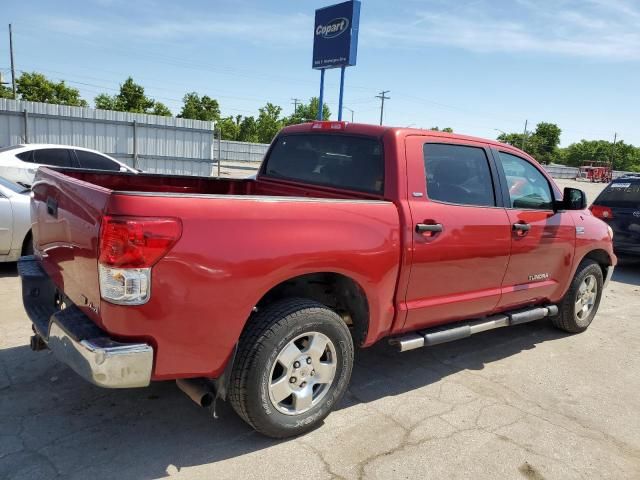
(35, 87)
(445, 129)
(546, 140)
(161, 109)
(5, 92)
(625, 156)
(542, 144)
(131, 98)
(200, 108)
(229, 127)
(268, 123)
(307, 112)
(248, 130)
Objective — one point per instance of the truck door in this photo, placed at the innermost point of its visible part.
(543, 239)
(461, 235)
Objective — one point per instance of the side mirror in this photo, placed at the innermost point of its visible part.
(573, 199)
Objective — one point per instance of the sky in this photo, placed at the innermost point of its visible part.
(478, 66)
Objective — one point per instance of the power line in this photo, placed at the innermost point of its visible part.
(382, 98)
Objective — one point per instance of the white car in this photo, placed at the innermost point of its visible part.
(19, 163)
(15, 221)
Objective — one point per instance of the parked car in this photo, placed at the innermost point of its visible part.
(619, 206)
(19, 163)
(259, 290)
(15, 221)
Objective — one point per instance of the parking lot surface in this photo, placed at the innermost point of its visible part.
(523, 402)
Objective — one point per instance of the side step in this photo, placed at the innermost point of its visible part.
(458, 331)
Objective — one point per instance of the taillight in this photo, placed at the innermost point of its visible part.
(605, 213)
(129, 247)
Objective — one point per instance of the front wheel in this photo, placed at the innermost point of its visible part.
(293, 366)
(580, 305)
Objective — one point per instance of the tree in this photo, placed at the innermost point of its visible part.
(200, 108)
(229, 127)
(5, 92)
(625, 156)
(445, 129)
(131, 98)
(35, 87)
(546, 141)
(268, 123)
(307, 112)
(542, 144)
(161, 109)
(248, 130)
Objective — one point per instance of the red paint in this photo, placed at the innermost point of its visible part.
(240, 238)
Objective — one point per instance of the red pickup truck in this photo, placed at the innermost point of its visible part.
(258, 290)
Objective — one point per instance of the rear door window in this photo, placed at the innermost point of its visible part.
(458, 174)
(56, 157)
(622, 193)
(95, 162)
(338, 161)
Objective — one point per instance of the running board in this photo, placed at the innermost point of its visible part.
(458, 331)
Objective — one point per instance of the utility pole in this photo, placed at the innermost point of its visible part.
(13, 68)
(382, 98)
(613, 150)
(524, 135)
(347, 108)
(295, 102)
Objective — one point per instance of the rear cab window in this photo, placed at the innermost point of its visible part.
(339, 161)
(621, 193)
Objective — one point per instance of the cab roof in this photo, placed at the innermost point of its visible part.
(380, 130)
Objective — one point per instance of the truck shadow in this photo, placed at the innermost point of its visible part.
(628, 271)
(57, 424)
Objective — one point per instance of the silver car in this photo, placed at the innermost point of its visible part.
(15, 221)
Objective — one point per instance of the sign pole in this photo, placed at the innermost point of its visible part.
(321, 94)
(341, 93)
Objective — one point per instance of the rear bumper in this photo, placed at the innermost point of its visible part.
(76, 340)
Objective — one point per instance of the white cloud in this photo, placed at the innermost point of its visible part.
(267, 29)
(603, 29)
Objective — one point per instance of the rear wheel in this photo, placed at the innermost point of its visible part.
(293, 366)
(580, 305)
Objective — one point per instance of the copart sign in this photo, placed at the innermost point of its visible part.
(335, 35)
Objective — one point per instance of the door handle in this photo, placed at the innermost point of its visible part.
(429, 227)
(521, 228)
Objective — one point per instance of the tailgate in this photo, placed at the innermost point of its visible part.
(66, 215)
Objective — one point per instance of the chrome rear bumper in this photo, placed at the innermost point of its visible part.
(102, 361)
(76, 340)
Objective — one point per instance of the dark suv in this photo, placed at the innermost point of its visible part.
(619, 206)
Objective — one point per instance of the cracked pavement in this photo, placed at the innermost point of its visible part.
(527, 402)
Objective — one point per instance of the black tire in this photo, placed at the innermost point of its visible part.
(567, 319)
(269, 332)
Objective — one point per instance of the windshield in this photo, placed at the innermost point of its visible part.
(339, 161)
(622, 193)
(14, 187)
